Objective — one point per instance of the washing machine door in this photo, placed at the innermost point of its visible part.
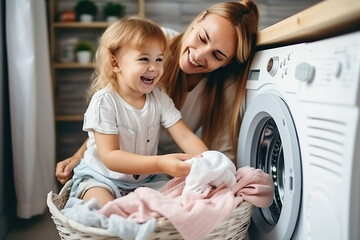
(268, 140)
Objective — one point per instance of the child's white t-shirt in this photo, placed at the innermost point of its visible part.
(138, 129)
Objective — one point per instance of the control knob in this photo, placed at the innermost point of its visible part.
(338, 69)
(272, 66)
(305, 72)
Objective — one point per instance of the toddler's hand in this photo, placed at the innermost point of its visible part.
(174, 165)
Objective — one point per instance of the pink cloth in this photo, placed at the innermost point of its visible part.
(254, 186)
(194, 214)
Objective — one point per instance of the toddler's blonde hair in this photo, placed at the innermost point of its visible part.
(134, 32)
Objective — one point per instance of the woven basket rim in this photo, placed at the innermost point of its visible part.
(245, 208)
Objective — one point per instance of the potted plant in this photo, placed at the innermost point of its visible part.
(83, 51)
(113, 11)
(86, 10)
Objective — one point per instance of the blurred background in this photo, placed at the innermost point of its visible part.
(34, 136)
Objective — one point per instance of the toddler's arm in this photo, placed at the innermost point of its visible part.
(129, 163)
(188, 141)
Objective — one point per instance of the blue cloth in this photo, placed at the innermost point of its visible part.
(87, 214)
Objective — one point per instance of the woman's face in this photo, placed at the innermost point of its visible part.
(211, 44)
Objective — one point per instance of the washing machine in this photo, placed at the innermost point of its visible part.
(301, 125)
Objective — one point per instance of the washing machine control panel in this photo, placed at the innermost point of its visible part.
(329, 70)
(275, 66)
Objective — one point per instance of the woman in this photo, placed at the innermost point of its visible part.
(206, 72)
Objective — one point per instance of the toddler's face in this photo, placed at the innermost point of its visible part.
(140, 70)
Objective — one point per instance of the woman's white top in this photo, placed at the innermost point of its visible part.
(191, 114)
(137, 129)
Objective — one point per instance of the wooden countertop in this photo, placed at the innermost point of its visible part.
(324, 19)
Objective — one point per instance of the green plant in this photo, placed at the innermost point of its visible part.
(86, 7)
(114, 9)
(83, 46)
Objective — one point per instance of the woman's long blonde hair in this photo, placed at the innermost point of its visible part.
(244, 17)
(135, 32)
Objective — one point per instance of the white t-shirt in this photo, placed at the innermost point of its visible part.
(138, 129)
(191, 114)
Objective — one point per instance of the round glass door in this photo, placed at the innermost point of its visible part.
(270, 158)
(268, 140)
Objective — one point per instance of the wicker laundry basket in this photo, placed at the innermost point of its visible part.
(235, 227)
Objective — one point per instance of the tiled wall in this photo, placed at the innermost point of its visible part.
(177, 14)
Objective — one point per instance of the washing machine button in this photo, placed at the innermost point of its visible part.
(272, 66)
(304, 72)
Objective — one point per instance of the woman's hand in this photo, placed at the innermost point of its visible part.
(174, 165)
(64, 168)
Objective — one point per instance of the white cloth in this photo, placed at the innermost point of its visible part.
(138, 129)
(213, 168)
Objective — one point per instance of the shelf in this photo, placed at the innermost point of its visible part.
(141, 7)
(69, 118)
(80, 25)
(73, 65)
(70, 80)
(324, 19)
